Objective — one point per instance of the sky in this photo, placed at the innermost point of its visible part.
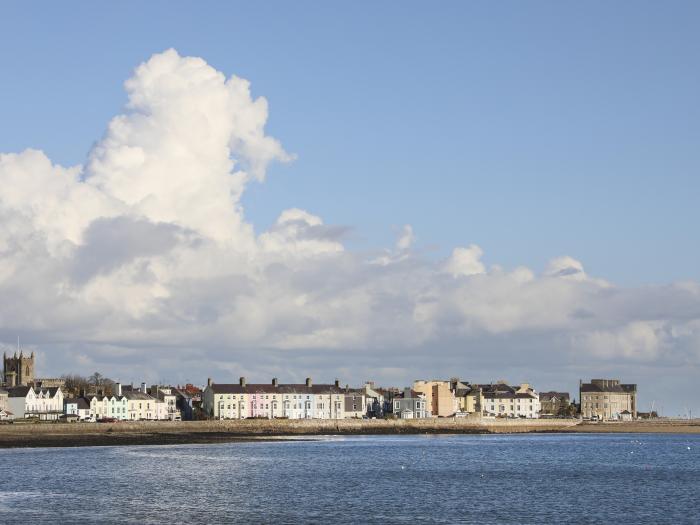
(379, 191)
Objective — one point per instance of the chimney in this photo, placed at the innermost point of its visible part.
(242, 381)
(308, 382)
(118, 388)
(275, 382)
(337, 383)
(209, 383)
(143, 388)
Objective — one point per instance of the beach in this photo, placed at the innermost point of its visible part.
(164, 433)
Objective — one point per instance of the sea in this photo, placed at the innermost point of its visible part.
(480, 479)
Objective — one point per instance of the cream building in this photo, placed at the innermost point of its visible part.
(607, 399)
(440, 398)
(503, 400)
(274, 400)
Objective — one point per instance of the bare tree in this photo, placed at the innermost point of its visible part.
(96, 379)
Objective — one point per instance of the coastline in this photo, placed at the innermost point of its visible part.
(22, 435)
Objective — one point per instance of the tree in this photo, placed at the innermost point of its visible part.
(96, 379)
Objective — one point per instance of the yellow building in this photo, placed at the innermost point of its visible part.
(438, 395)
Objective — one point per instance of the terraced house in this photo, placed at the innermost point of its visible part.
(501, 399)
(274, 400)
(35, 402)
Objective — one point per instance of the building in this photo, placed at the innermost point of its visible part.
(554, 404)
(374, 400)
(440, 398)
(607, 399)
(3, 399)
(30, 402)
(468, 397)
(78, 407)
(355, 403)
(273, 400)
(18, 370)
(184, 404)
(410, 404)
(5, 413)
(503, 400)
(107, 406)
(166, 403)
(49, 382)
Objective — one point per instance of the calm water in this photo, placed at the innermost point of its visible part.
(433, 479)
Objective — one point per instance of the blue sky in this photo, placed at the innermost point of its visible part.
(533, 130)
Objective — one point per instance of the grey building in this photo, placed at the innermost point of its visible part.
(409, 404)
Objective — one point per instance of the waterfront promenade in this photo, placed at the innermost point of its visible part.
(161, 433)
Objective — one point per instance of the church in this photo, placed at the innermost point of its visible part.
(18, 370)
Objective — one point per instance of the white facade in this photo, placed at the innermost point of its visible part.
(520, 402)
(43, 403)
(305, 401)
(109, 407)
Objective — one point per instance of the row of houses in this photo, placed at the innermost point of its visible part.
(425, 398)
(125, 403)
(601, 399)
(307, 400)
(331, 401)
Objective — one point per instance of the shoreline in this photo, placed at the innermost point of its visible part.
(29, 435)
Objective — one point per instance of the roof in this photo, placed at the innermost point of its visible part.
(18, 391)
(413, 394)
(236, 388)
(135, 394)
(597, 387)
(80, 401)
(548, 396)
(503, 391)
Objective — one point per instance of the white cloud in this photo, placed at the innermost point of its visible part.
(465, 261)
(145, 250)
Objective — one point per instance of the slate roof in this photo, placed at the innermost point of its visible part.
(135, 394)
(503, 391)
(615, 388)
(548, 396)
(18, 391)
(236, 388)
(80, 401)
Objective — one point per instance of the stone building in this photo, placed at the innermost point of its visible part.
(18, 370)
(608, 399)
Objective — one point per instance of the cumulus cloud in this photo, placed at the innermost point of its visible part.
(144, 251)
(465, 261)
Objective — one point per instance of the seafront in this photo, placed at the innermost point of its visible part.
(163, 433)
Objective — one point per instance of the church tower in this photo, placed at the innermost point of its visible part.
(18, 370)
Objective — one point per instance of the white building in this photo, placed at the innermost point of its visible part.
(503, 400)
(42, 403)
(78, 406)
(274, 400)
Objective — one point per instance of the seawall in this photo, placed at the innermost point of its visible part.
(166, 432)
